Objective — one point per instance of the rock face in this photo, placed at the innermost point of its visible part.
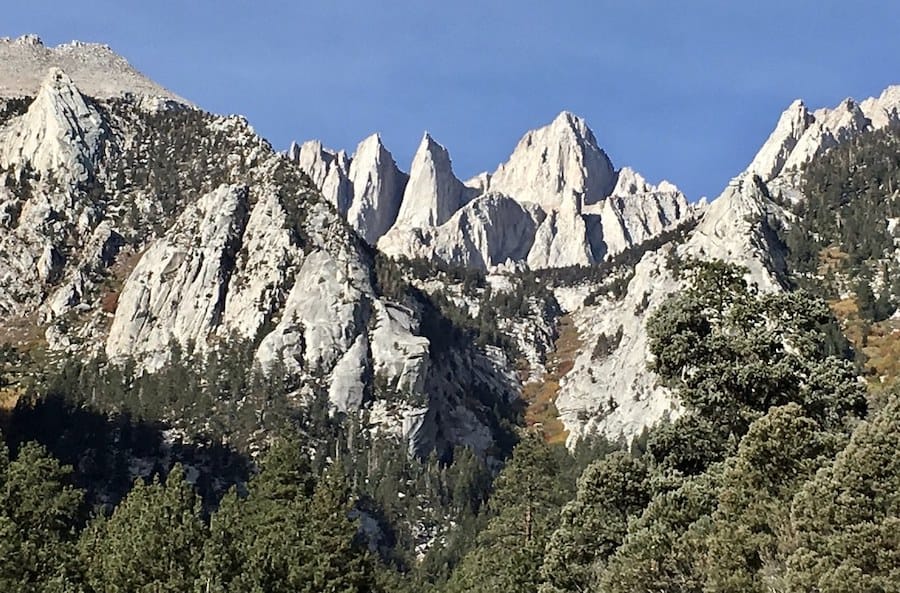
(771, 158)
(611, 392)
(579, 210)
(800, 135)
(120, 235)
(96, 69)
(177, 290)
(433, 193)
(366, 189)
(557, 166)
(98, 247)
(329, 170)
(59, 133)
(609, 389)
(45, 153)
(488, 231)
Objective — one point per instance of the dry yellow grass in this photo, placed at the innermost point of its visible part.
(541, 413)
(881, 346)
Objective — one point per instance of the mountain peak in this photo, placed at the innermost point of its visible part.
(27, 39)
(791, 126)
(433, 193)
(59, 132)
(558, 165)
(377, 189)
(96, 68)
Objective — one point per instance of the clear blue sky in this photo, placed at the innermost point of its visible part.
(680, 90)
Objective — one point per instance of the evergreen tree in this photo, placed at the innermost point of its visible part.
(336, 559)
(731, 354)
(610, 492)
(750, 535)
(152, 542)
(525, 504)
(847, 518)
(39, 514)
(663, 546)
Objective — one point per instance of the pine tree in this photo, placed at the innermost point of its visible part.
(526, 505)
(39, 514)
(336, 560)
(847, 518)
(750, 535)
(610, 492)
(152, 541)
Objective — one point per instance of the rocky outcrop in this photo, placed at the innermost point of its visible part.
(738, 227)
(60, 134)
(800, 136)
(177, 291)
(571, 208)
(329, 170)
(637, 211)
(791, 126)
(609, 389)
(559, 165)
(97, 70)
(488, 231)
(883, 111)
(433, 193)
(561, 240)
(378, 187)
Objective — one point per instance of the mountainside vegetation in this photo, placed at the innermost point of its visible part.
(392, 424)
(843, 244)
(752, 488)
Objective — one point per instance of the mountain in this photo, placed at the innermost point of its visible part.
(136, 226)
(97, 70)
(799, 136)
(393, 361)
(132, 230)
(582, 211)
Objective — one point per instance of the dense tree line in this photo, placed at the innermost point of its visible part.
(775, 477)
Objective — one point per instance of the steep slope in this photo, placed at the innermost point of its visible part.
(433, 193)
(557, 166)
(588, 211)
(800, 136)
(46, 155)
(366, 188)
(489, 231)
(96, 69)
(60, 132)
(609, 390)
(329, 171)
(142, 232)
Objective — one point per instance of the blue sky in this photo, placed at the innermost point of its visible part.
(685, 91)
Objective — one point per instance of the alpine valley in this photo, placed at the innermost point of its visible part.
(310, 370)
